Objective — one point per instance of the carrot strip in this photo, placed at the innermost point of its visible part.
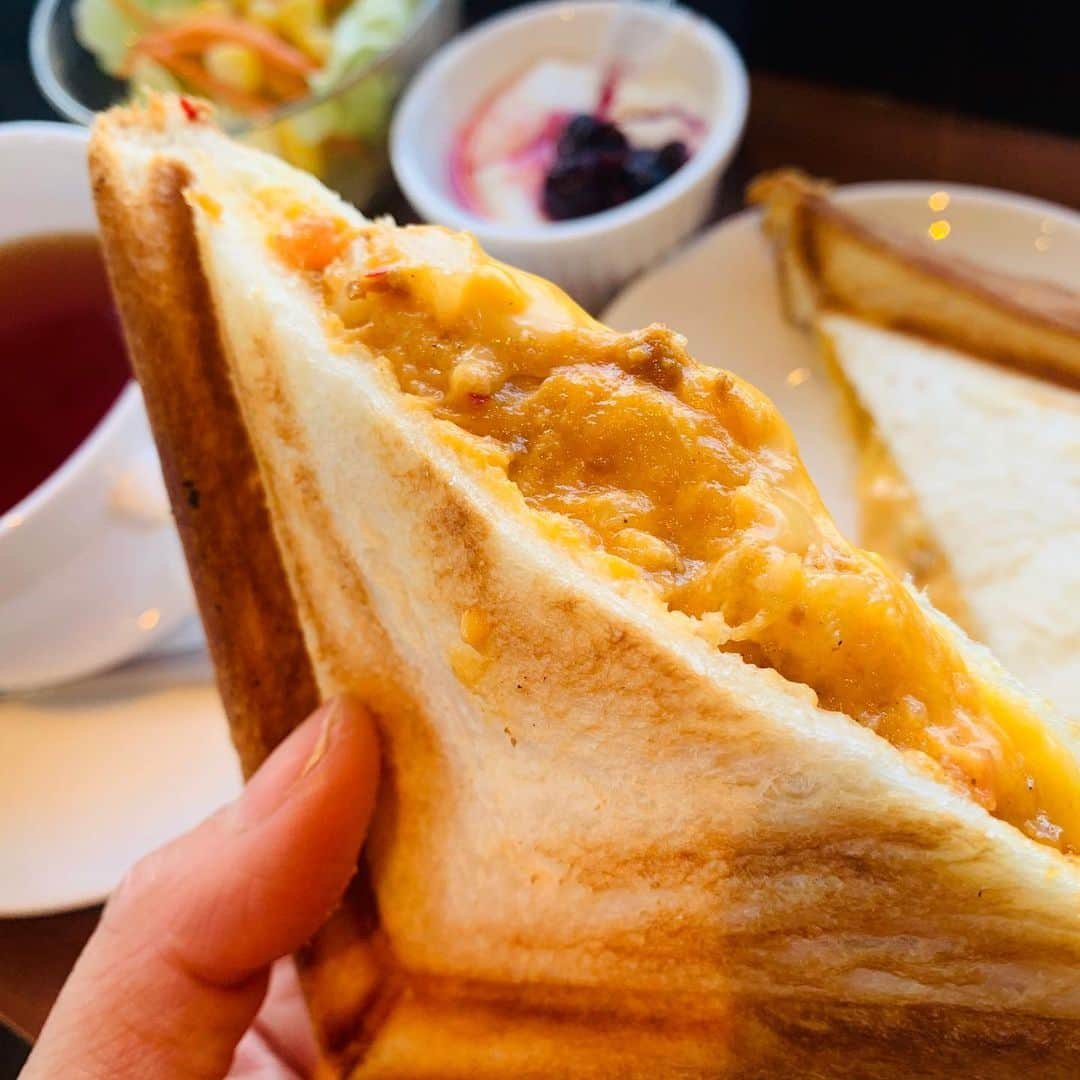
(198, 31)
(202, 81)
(285, 85)
(135, 13)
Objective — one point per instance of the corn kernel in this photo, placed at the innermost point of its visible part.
(234, 65)
(301, 22)
(475, 627)
(468, 665)
(304, 155)
(263, 12)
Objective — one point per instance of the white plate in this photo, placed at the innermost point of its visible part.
(721, 293)
(95, 775)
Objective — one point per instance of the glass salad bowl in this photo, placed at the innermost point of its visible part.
(311, 80)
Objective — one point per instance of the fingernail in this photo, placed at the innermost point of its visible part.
(331, 717)
(285, 769)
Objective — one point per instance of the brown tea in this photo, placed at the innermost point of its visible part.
(62, 357)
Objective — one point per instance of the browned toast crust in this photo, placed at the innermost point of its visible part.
(263, 670)
(829, 257)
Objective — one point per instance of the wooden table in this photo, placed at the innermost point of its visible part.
(831, 133)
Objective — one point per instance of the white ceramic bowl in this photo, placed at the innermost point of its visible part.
(588, 256)
(91, 571)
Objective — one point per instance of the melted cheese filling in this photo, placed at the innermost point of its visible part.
(691, 476)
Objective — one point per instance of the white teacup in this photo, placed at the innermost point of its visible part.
(91, 570)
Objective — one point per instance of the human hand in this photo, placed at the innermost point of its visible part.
(172, 980)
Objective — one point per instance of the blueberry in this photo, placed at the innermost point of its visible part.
(647, 168)
(584, 184)
(596, 168)
(586, 132)
(672, 157)
(644, 170)
(567, 190)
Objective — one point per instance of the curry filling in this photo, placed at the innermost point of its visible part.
(692, 477)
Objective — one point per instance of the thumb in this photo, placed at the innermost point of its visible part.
(177, 968)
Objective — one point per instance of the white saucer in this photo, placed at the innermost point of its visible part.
(95, 775)
(721, 293)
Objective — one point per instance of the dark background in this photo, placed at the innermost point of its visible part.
(1020, 66)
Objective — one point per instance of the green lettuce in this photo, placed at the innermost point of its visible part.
(364, 30)
(106, 31)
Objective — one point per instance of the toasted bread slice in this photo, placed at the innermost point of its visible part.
(992, 459)
(829, 258)
(611, 840)
(968, 478)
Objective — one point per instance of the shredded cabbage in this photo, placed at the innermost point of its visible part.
(362, 31)
(106, 31)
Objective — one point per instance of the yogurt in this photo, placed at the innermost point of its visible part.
(504, 153)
